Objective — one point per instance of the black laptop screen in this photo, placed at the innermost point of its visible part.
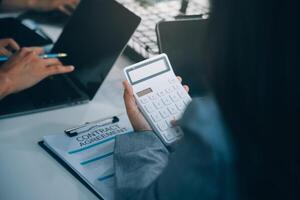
(93, 39)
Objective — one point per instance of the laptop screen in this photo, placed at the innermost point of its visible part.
(94, 38)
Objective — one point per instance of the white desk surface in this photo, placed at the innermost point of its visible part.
(26, 170)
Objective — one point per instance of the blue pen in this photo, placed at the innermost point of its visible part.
(51, 55)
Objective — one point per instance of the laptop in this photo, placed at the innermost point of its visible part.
(23, 35)
(93, 38)
(186, 50)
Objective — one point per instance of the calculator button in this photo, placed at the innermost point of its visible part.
(162, 126)
(174, 97)
(176, 117)
(156, 117)
(153, 97)
(187, 101)
(173, 110)
(177, 86)
(177, 131)
(172, 81)
(149, 108)
(169, 136)
(169, 90)
(182, 93)
(161, 93)
(144, 100)
(164, 113)
(166, 100)
(169, 122)
(158, 104)
(180, 105)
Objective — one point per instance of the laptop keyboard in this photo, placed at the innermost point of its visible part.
(144, 40)
(53, 91)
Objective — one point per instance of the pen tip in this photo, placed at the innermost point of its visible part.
(62, 55)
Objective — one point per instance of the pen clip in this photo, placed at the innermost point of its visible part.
(71, 132)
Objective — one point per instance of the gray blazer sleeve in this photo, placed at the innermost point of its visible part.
(139, 159)
(199, 168)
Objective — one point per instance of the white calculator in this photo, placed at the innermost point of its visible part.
(159, 94)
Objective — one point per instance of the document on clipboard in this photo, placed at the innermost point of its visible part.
(87, 152)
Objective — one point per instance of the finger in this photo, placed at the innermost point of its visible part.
(76, 2)
(24, 51)
(186, 88)
(179, 78)
(173, 122)
(59, 69)
(71, 6)
(13, 44)
(129, 100)
(5, 52)
(29, 56)
(128, 88)
(21, 55)
(64, 10)
(37, 50)
(52, 61)
(71, 2)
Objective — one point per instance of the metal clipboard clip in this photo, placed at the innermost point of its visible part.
(71, 132)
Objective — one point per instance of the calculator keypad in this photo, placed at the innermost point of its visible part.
(166, 100)
(164, 113)
(165, 106)
(149, 108)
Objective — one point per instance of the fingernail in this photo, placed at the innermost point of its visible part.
(72, 67)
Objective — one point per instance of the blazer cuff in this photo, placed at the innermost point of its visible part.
(135, 141)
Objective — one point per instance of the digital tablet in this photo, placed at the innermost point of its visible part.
(184, 42)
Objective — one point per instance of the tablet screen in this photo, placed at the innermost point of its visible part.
(184, 43)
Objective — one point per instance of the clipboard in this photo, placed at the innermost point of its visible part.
(68, 168)
(67, 150)
(74, 131)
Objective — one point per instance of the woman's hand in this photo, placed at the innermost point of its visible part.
(138, 121)
(8, 46)
(25, 69)
(65, 6)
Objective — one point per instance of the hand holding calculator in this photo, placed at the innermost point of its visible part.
(159, 95)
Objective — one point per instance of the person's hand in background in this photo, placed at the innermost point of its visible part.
(25, 69)
(65, 6)
(138, 121)
(8, 47)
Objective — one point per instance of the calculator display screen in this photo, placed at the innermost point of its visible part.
(150, 70)
(144, 92)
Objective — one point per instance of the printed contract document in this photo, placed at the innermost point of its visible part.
(90, 153)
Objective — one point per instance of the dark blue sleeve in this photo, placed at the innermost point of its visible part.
(199, 168)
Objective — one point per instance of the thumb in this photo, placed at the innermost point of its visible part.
(129, 100)
(128, 88)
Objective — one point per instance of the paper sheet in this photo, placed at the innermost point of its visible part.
(90, 154)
